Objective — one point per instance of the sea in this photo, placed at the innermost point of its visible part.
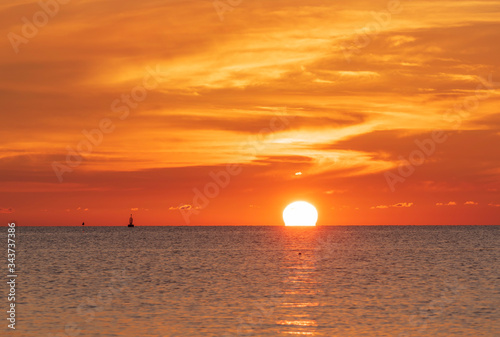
(229, 281)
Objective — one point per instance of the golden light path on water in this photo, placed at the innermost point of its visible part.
(300, 286)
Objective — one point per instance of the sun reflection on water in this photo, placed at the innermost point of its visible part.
(295, 313)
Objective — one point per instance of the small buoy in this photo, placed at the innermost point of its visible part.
(300, 253)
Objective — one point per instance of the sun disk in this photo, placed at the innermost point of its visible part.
(300, 213)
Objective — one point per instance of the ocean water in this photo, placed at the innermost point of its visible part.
(257, 281)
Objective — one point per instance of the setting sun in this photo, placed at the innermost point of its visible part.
(300, 213)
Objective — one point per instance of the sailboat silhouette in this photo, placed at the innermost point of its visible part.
(131, 221)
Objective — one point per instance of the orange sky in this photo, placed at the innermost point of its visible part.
(342, 92)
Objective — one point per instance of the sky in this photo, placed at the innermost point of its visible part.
(224, 112)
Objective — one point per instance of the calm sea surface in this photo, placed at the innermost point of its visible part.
(257, 281)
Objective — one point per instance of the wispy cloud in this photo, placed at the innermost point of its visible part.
(400, 204)
(182, 207)
(6, 210)
(451, 203)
